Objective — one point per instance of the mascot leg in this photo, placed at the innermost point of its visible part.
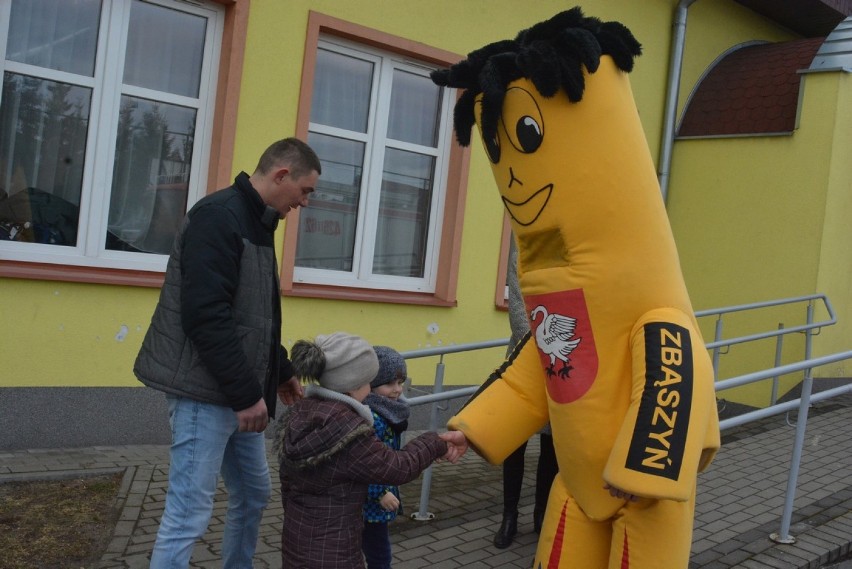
(568, 538)
(652, 534)
(648, 534)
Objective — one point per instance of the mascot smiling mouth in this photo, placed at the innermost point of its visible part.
(526, 212)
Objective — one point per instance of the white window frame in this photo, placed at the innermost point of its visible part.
(375, 142)
(107, 89)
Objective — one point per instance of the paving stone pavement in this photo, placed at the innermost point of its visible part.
(740, 501)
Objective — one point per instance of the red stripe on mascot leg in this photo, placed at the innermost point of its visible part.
(558, 539)
(625, 554)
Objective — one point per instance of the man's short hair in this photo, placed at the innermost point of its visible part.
(292, 153)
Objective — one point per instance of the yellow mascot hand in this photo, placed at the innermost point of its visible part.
(509, 410)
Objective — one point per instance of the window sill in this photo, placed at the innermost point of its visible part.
(70, 273)
(366, 295)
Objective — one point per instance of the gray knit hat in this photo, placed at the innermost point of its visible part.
(391, 366)
(350, 362)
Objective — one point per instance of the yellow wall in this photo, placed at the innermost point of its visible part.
(830, 95)
(763, 218)
(62, 334)
(70, 334)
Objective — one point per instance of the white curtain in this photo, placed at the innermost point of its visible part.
(165, 49)
(55, 34)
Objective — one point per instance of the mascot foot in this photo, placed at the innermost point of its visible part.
(508, 529)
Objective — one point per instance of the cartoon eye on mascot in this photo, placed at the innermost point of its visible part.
(614, 358)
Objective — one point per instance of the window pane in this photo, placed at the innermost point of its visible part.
(403, 224)
(327, 226)
(415, 101)
(43, 126)
(150, 176)
(165, 49)
(57, 34)
(341, 95)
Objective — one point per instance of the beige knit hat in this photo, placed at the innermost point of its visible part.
(350, 362)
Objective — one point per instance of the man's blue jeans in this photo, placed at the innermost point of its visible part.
(205, 442)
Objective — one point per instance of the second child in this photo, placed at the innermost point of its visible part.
(390, 418)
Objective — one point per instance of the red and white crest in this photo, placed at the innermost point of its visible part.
(559, 323)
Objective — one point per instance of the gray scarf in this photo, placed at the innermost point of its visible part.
(395, 412)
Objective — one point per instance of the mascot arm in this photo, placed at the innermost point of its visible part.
(508, 409)
(671, 430)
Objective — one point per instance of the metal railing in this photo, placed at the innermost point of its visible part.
(438, 394)
(717, 347)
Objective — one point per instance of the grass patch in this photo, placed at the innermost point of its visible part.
(57, 523)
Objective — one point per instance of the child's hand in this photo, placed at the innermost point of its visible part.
(621, 494)
(290, 391)
(389, 502)
(456, 445)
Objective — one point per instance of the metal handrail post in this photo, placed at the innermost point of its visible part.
(773, 399)
(717, 351)
(783, 535)
(422, 513)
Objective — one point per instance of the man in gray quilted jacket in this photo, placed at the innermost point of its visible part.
(214, 348)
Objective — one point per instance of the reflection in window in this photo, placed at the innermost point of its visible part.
(403, 214)
(150, 176)
(43, 127)
(104, 106)
(327, 226)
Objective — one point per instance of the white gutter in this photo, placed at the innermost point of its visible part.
(672, 90)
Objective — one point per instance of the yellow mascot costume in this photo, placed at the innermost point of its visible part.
(614, 359)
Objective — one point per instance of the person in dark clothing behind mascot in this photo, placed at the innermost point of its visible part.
(214, 348)
(513, 466)
(329, 454)
(615, 360)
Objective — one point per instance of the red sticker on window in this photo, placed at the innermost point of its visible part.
(559, 324)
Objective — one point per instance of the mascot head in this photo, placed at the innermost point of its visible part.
(561, 129)
(554, 55)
